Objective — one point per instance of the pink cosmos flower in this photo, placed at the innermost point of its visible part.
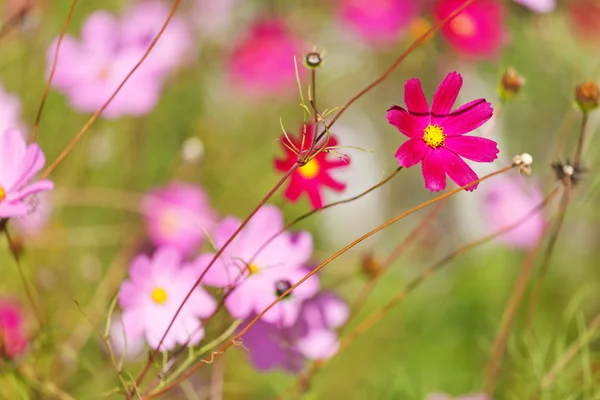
(10, 110)
(13, 340)
(507, 199)
(122, 345)
(437, 136)
(258, 271)
(539, 6)
(315, 175)
(312, 336)
(378, 22)
(477, 31)
(40, 209)
(152, 295)
(178, 215)
(19, 163)
(262, 63)
(90, 70)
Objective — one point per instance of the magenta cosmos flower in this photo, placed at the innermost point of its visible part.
(19, 163)
(378, 22)
(13, 340)
(10, 110)
(259, 270)
(507, 199)
(477, 31)
(313, 177)
(437, 136)
(312, 336)
(262, 63)
(178, 215)
(155, 290)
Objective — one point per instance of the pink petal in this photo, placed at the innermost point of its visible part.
(293, 191)
(100, 32)
(473, 148)
(327, 180)
(415, 98)
(406, 123)
(8, 210)
(459, 171)
(39, 186)
(133, 325)
(314, 196)
(433, 169)
(32, 162)
(239, 302)
(445, 96)
(411, 152)
(467, 117)
(12, 150)
(319, 344)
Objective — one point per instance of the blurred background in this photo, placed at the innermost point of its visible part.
(212, 116)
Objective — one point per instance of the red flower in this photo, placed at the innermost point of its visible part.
(312, 177)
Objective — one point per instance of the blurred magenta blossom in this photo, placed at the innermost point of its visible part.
(313, 177)
(442, 396)
(13, 339)
(10, 110)
(91, 69)
(312, 336)
(19, 163)
(150, 298)
(507, 199)
(258, 271)
(437, 138)
(479, 31)
(262, 62)
(178, 215)
(378, 22)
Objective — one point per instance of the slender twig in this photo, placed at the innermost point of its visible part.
(581, 141)
(94, 117)
(38, 117)
(381, 227)
(47, 387)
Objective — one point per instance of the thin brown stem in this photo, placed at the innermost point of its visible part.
(38, 117)
(381, 227)
(61, 157)
(581, 141)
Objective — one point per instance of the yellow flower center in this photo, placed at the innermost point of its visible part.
(159, 295)
(434, 136)
(253, 269)
(310, 170)
(2, 193)
(463, 25)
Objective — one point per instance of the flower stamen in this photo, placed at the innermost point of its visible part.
(2, 193)
(310, 170)
(253, 269)
(159, 295)
(434, 136)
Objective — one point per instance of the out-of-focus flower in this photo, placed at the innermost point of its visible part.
(262, 63)
(142, 22)
(214, 17)
(378, 22)
(123, 346)
(477, 31)
(437, 137)
(585, 18)
(37, 219)
(10, 110)
(315, 175)
(312, 336)
(539, 6)
(259, 269)
(510, 84)
(13, 340)
(507, 199)
(151, 297)
(442, 396)
(19, 163)
(178, 215)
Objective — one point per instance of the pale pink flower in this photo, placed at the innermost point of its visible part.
(178, 215)
(123, 346)
(38, 217)
(10, 110)
(508, 199)
(151, 297)
(19, 163)
(259, 271)
(13, 339)
(262, 63)
(540, 6)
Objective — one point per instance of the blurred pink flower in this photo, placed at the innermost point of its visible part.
(40, 208)
(151, 297)
(259, 274)
(13, 340)
(437, 137)
(584, 16)
(178, 215)
(19, 163)
(477, 31)
(123, 346)
(442, 396)
(312, 336)
(378, 22)
(507, 199)
(10, 110)
(315, 176)
(262, 63)
(540, 6)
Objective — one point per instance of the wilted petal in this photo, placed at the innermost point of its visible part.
(473, 148)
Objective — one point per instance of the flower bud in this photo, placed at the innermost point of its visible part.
(313, 60)
(510, 84)
(587, 95)
(370, 265)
